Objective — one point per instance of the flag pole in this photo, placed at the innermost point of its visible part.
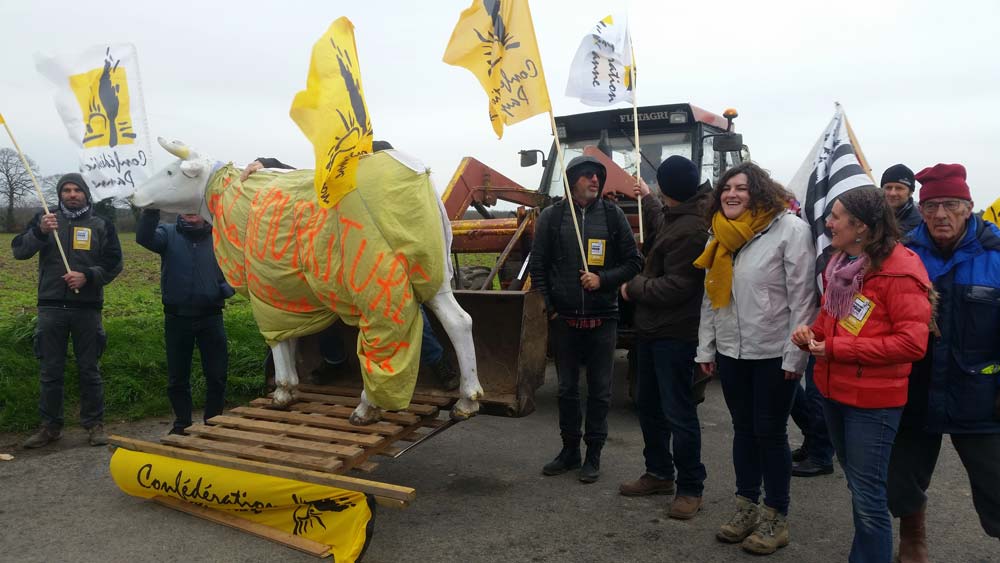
(38, 190)
(638, 154)
(569, 195)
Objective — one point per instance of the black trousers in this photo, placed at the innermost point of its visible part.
(56, 326)
(911, 466)
(181, 334)
(593, 348)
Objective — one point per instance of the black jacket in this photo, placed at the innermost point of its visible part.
(667, 294)
(190, 279)
(908, 217)
(556, 261)
(91, 246)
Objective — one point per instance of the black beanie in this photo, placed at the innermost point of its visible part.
(900, 174)
(678, 178)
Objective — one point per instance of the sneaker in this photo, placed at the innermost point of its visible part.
(647, 485)
(771, 533)
(742, 523)
(42, 437)
(684, 508)
(97, 436)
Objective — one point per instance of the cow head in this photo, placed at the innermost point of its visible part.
(180, 186)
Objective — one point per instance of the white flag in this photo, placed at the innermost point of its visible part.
(99, 98)
(601, 73)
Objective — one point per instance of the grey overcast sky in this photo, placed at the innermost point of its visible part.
(920, 80)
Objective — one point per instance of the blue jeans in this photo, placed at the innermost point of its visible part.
(667, 410)
(181, 334)
(807, 412)
(430, 349)
(759, 399)
(863, 439)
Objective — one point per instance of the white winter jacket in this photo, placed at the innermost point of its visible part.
(774, 291)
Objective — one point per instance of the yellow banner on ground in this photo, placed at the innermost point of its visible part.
(331, 111)
(335, 517)
(495, 41)
(369, 261)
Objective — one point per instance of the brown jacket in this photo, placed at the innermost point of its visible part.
(667, 293)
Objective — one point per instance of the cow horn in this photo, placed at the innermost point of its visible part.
(177, 148)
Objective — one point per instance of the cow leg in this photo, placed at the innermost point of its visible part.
(365, 413)
(458, 324)
(285, 377)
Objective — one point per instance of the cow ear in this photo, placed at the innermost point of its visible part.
(178, 149)
(192, 168)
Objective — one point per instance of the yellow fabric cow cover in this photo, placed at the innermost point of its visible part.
(335, 517)
(369, 260)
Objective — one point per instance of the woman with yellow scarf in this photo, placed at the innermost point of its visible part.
(759, 286)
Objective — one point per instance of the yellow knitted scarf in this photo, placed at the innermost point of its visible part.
(728, 236)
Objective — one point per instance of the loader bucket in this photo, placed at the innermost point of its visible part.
(510, 333)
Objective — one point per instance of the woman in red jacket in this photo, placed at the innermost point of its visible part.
(873, 324)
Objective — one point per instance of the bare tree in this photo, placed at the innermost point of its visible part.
(15, 183)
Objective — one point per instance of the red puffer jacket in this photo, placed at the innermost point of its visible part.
(872, 369)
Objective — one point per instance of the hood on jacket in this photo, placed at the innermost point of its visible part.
(74, 178)
(904, 262)
(572, 172)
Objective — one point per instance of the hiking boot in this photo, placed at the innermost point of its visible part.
(684, 508)
(177, 431)
(96, 435)
(913, 538)
(742, 523)
(809, 468)
(591, 470)
(800, 454)
(42, 437)
(568, 458)
(771, 533)
(445, 374)
(647, 485)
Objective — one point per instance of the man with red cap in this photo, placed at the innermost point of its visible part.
(955, 389)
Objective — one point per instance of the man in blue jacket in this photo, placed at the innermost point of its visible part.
(954, 389)
(582, 304)
(193, 292)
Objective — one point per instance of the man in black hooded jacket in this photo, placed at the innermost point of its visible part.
(582, 304)
(70, 303)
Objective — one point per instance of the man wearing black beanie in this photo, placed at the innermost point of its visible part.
(667, 296)
(897, 184)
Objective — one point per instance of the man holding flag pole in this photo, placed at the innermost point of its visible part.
(495, 40)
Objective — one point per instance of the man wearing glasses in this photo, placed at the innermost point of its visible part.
(954, 389)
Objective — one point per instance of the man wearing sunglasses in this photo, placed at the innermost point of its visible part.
(955, 389)
(582, 305)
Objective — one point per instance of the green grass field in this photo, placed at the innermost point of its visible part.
(134, 365)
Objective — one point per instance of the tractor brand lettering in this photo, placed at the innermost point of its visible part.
(198, 492)
(651, 116)
(104, 104)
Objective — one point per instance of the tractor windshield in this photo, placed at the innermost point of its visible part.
(655, 149)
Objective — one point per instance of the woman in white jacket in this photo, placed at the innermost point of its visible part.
(759, 286)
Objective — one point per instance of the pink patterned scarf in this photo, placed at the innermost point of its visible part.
(844, 278)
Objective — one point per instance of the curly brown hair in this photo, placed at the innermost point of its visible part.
(766, 195)
(867, 206)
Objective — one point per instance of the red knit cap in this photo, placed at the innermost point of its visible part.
(943, 180)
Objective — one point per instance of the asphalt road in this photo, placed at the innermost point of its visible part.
(480, 497)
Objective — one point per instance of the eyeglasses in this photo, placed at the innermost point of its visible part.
(950, 205)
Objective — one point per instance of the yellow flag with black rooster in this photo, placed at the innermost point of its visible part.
(331, 111)
(495, 40)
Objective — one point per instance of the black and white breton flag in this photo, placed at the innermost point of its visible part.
(833, 167)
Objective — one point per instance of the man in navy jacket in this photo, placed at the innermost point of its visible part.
(193, 294)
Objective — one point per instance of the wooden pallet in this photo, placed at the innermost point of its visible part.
(311, 441)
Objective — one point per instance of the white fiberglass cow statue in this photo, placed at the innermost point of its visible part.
(368, 261)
